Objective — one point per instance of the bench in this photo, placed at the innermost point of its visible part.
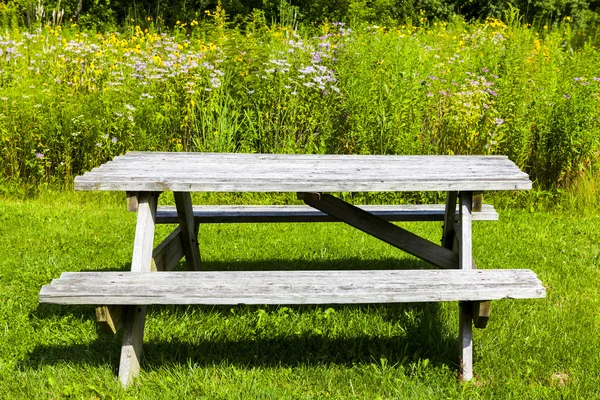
(303, 213)
(122, 297)
(290, 287)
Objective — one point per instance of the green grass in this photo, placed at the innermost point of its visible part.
(531, 348)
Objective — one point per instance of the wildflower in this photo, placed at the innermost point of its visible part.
(4, 98)
(493, 93)
(307, 70)
(596, 79)
(498, 121)
(444, 93)
(147, 96)
(250, 92)
(566, 96)
(577, 79)
(432, 77)
(105, 136)
(129, 107)
(484, 70)
(215, 82)
(39, 155)
(485, 106)
(114, 140)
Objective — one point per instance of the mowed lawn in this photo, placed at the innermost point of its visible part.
(548, 348)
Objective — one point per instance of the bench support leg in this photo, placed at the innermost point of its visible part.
(189, 230)
(131, 349)
(466, 308)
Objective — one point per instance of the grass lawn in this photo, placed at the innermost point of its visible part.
(546, 348)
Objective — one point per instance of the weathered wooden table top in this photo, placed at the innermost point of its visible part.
(227, 172)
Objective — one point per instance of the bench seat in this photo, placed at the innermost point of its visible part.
(303, 213)
(290, 287)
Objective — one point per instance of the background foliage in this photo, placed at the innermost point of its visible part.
(110, 12)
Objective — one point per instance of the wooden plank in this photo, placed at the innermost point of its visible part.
(141, 261)
(465, 329)
(385, 231)
(110, 318)
(132, 201)
(272, 173)
(189, 233)
(168, 253)
(466, 247)
(465, 339)
(291, 287)
(477, 202)
(131, 349)
(481, 313)
(303, 213)
(144, 232)
(448, 232)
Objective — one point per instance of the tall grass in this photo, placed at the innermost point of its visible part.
(70, 100)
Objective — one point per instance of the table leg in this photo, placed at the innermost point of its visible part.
(448, 232)
(131, 349)
(465, 308)
(189, 230)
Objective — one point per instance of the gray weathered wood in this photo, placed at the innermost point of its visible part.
(189, 232)
(291, 287)
(132, 201)
(448, 232)
(465, 336)
(303, 213)
(141, 261)
(465, 249)
(168, 253)
(110, 318)
(481, 313)
(131, 349)
(144, 232)
(465, 339)
(188, 172)
(384, 230)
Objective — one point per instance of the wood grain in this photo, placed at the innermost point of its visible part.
(291, 287)
(302, 213)
(185, 172)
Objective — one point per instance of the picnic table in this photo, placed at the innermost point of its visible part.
(122, 297)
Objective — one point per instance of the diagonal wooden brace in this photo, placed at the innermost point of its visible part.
(382, 229)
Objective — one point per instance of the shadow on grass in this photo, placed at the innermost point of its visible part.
(423, 336)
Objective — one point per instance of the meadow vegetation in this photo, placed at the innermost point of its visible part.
(71, 99)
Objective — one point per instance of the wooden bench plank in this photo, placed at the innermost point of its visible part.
(291, 287)
(303, 213)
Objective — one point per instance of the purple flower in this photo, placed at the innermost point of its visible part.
(498, 121)
(485, 70)
(432, 77)
(39, 155)
(493, 93)
(444, 93)
(596, 79)
(577, 79)
(566, 96)
(317, 57)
